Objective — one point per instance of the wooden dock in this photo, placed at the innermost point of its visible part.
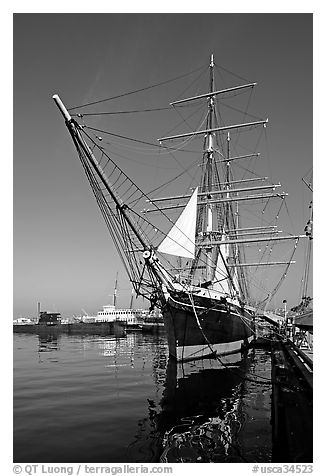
(292, 395)
(292, 403)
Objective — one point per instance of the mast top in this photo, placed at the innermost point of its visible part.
(212, 61)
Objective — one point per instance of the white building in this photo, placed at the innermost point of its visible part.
(110, 314)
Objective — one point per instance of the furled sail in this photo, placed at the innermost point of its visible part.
(180, 241)
(221, 279)
(236, 282)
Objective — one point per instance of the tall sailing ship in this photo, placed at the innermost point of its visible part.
(198, 269)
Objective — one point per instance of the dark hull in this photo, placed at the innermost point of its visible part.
(216, 327)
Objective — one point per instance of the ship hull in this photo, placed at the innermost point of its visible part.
(203, 327)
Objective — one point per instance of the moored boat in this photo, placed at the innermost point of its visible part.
(194, 268)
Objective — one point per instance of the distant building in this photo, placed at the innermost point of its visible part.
(50, 318)
(23, 321)
(89, 319)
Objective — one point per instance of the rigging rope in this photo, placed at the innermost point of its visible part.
(141, 221)
(119, 176)
(217, 66)
(112, 113)
(136, 90)
(214, 353)
(245, 113)
(157, 146)
(185, 120)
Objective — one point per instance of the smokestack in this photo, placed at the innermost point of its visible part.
(115, 291)
(132, 298)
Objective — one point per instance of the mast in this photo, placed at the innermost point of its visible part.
(230, 224)
(220, 240)
(209, 167)
(216, 211)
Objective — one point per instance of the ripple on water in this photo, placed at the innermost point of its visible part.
(107, 399)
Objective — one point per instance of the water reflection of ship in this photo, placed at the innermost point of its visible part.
(202, 412)
(198, 418)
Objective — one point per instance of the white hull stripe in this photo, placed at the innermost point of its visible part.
(203, 307)
(193, 352)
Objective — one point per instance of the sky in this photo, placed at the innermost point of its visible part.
(63, 256)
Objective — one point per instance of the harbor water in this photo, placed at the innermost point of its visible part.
(87, 398)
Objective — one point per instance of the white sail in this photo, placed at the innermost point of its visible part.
(180, 241)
